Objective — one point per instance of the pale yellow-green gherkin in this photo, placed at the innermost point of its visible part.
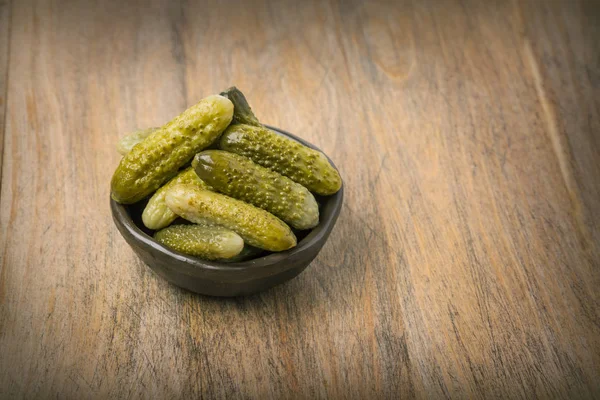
(240, 177)
(157, 215)
(302, 164)
(257, 227)
(127, 142)
(208, 242)
(157, 159)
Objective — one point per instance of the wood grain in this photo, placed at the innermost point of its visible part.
(466, 259)
(4, 52)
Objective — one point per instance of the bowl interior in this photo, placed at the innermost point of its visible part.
(129, 221)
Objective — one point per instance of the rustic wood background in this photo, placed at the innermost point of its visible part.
(466, 260)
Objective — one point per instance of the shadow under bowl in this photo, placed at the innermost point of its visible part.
(215, 278)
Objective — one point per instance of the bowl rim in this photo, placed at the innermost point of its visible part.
(314, 238)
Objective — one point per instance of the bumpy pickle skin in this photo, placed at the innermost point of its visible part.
(301, 164)
(208, 242)
(257, 227)
(241, 178)
(127, 142)
(242, 113)
(157, 159)
(157, 215)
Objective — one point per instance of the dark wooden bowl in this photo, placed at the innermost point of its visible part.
(227, 279)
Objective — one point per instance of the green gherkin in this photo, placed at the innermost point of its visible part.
(247, 253)
(240, 177)
(127, 142)
(209, 242)
(242, 113)
(157, 215)
(257, 227)
(155, 160)
(302, 164)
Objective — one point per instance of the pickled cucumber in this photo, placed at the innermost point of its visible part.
(257, 227)
(240, 177)
(209, 242)
(247, 253)
(242, 113)
(302, 164)
(158, 158)
(127, 142)
(157, 215)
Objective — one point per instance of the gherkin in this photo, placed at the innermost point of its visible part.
(242, 113)
(208, 242)
(157, 215)
(257, 227)
(240, 177)
(157, 159)
(127, 142)
(247, 253)
(302, 164)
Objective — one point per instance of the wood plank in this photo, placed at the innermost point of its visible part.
(4, 56)
(562, 49)
(465, 261)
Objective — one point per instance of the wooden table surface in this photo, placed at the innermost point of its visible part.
(466, 260)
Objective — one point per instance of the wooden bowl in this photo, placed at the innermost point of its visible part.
(227, 279)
